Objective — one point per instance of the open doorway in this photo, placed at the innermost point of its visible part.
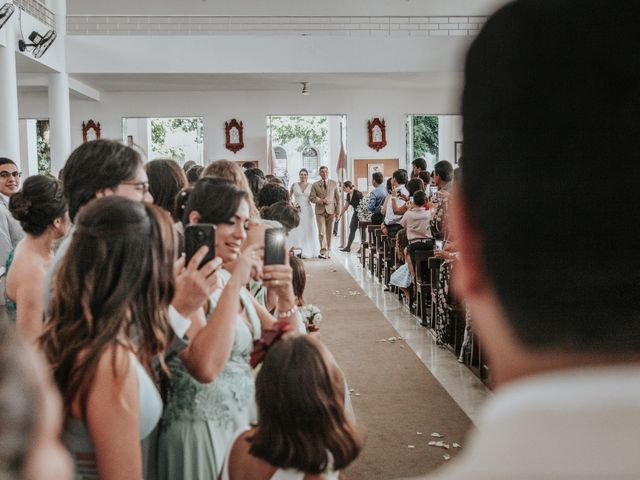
(35, 148)
(305, 141)
(435, 138)
(178, 138)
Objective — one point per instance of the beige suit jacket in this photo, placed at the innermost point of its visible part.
(331, 194)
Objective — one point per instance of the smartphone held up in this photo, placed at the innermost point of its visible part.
(275, 250)
(197, 235)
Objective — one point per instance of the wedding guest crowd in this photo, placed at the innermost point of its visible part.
(153, 354)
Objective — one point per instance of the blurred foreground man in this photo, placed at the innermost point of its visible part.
(551, 269)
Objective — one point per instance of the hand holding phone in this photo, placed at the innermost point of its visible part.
(197, 235)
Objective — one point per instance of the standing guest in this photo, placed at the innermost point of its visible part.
(42, 211)
(353, 198)
(108, 323)
(561, 329)
(10, 231)
(419, 165)
(30, 415)
(393, 207)
(188, 165)
(194, 173)
(302, 431)
(284, 213)
(256, 180)
(234, 173)
(376, 198)
(166, 179)
(326, 197)
(271, 193)
(207, 401)
(305, 237)
(248, 165)
(414, 185)
(442, 178)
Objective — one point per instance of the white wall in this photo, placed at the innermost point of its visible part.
(449, 132)
(252, 107)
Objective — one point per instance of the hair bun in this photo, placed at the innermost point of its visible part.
(19, 206)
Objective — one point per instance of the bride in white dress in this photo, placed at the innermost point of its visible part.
(305, 236)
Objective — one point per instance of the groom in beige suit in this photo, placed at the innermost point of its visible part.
(326, 196)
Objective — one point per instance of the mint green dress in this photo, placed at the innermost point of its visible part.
(199, 420)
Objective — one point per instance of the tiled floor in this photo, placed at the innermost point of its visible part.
(463, 386)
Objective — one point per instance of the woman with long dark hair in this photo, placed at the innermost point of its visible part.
(211, 389)
(302, 429)
(108, 322)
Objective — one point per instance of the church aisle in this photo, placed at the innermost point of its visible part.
(393, 394)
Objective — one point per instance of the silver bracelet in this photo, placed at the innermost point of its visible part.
(288, 313)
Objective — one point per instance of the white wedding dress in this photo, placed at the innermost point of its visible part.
(305, 236)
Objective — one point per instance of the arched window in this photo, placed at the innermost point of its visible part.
(310, 161)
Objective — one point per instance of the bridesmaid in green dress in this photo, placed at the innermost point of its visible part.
(204, 408)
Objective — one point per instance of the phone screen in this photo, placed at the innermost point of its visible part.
(274, 247)
(439, 244)
(197, 235)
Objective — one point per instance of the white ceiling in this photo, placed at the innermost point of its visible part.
(158, 82)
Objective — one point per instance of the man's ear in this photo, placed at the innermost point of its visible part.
(104, 192)
(470, 279)
(194, 216)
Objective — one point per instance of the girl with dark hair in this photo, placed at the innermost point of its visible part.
(166, 179)
(302, 431)
(210, 392)
(108, 322)
(41, 209)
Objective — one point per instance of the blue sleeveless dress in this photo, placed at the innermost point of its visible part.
(200, 419)
(77, 439)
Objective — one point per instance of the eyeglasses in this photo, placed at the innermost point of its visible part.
(142, 187)
(5, 174)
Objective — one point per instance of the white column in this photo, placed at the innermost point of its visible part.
(9, 130)
(59, 108)
(28, 147)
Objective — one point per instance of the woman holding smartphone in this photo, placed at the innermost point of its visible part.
(205, 407)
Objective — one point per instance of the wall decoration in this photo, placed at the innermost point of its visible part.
(233, 132)
(90, 131)
(377, 134)
(373, 168)
(457, 148)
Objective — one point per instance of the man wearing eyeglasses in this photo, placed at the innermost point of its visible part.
(9, 179)
(10, 230)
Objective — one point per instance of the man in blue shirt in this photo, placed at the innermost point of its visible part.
(376, 198)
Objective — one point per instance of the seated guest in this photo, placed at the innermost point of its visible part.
(416, 222)
(392, 209)
(30, 415)
(272, 193)
(108, 323)
(353, 198)
(556, 310)
(425, 176)
(442, 178)
(166, 179)
(302, 429)
(194, 173)
(414, 185)
(376, 198)
(42, 212)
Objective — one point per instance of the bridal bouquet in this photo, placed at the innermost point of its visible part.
(364, 215)
(312, 317)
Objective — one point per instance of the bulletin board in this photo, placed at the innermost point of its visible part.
(361, 168)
